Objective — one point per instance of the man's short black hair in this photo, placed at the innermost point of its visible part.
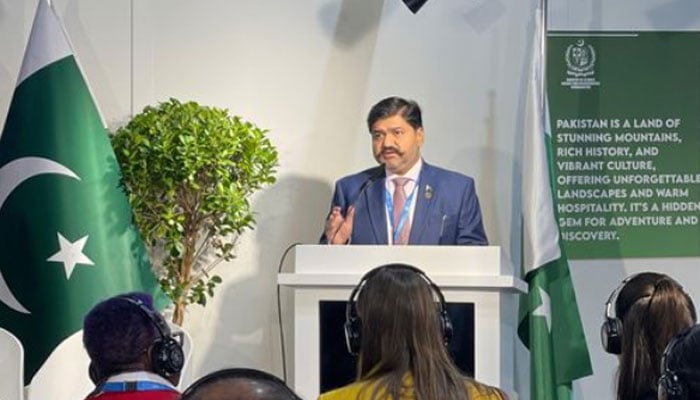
(116, 333)
(408, 109)
(273, 388)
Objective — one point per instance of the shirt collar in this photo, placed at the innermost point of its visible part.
(412, 173)
(140, 376)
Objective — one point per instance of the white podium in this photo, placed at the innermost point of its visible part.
(465, 274)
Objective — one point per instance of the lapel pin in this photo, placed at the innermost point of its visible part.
(428, 192)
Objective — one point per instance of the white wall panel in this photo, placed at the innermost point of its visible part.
(309, 71)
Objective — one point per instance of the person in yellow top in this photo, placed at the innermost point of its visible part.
(401, 337)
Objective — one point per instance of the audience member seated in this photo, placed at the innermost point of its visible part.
(132, 352)
(650, 308)
(680, 367)
(400, 334)
(239, 384)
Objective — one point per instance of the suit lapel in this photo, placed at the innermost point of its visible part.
(377, 209)
(425, 200)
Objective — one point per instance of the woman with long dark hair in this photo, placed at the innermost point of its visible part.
(402, 336)
(650, 308)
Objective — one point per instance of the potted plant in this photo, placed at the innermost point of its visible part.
(189, 171)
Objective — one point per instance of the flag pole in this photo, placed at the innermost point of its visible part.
(543, 51)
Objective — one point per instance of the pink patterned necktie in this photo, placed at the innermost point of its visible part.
(399, 201)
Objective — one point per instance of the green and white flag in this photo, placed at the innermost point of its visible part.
(550, 325)
(66, 235)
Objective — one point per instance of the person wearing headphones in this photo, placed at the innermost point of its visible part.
(239, 384)
(650, 308)
(680, 367)
(393, 323)
(133, 354)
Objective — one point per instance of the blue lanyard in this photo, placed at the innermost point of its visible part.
(396, 230)
(132, 386)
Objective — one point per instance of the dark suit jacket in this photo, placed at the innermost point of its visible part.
(447, 209)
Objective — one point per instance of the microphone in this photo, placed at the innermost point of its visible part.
(377, 173)
(373, 176)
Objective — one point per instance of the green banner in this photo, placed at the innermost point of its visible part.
(625, 123)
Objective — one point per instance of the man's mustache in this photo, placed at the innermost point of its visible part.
(390, 150)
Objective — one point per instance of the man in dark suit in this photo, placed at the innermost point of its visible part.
(404, 200)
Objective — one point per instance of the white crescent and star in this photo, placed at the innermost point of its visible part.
(12, 175)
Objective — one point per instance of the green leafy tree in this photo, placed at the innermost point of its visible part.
(189, 171)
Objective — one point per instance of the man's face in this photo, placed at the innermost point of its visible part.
(396, 144)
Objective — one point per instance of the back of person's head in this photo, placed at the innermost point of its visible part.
(403, 331)
(390, 106)
(239, 384)
(125, 333)
(680, 367)
(651, 309)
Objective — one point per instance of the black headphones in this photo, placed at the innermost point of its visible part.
(353, 324)
(611, 330)
(669, 382)
(254, 375)
(167, 356)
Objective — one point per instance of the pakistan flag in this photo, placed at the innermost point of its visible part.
(550, 325)
(66, 234)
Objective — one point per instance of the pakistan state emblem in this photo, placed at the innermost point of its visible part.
(580, 59)
(580, 62)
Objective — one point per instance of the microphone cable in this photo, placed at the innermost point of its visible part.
(279, 310)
